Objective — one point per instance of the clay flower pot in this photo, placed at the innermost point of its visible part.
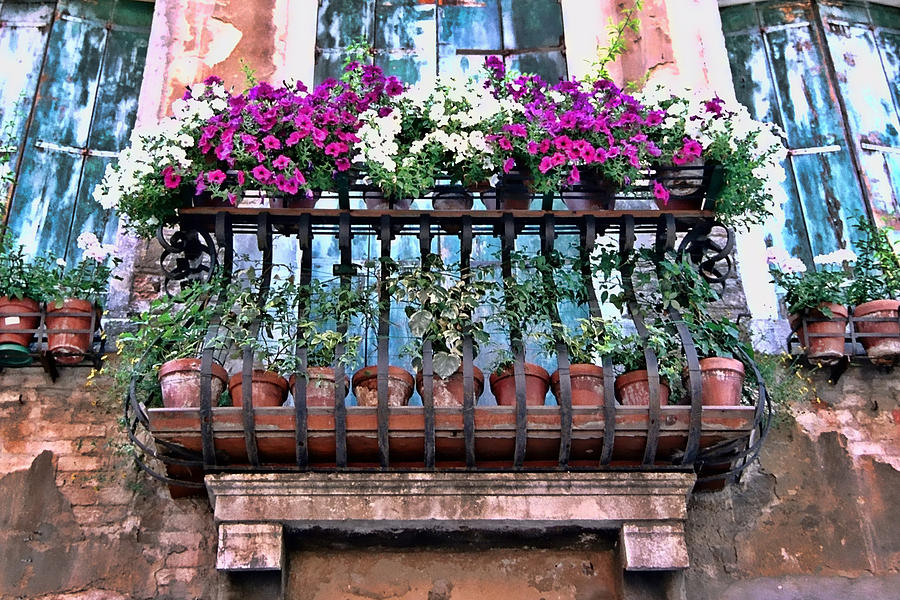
(179, 380)
(722, 379)
(365, 386)
(451, 197)
(13, 323)
(826, 338)
(881, 350)
(68, 347)
(512, 192)
(633, 389)
(537, 382)
(267, 388)
(587, 384)
(593, 193)
(376, 200)
(319, 386)
(449, 391)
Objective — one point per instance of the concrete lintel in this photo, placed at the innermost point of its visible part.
(250, 547)
(654, 546)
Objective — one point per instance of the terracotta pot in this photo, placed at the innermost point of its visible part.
(320, 386)
(513, 192)
(179, 380)
(830, 347)
(267, 388)
(593, 193)
(375, 200)
(449, 391)
(587, 384)
(13, 323)
(451, 197)
(692, 186)
(365, 386)
(723, 379)
(633, 389)
(881, 350)
(69, 348)
(537, 382)
(299, 201)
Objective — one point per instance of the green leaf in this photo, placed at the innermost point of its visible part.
(419, 322)
(445, 364)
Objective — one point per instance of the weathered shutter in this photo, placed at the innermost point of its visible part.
(83, 111)
(791, 63)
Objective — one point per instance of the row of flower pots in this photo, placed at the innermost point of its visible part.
(827, 326)
(69, 329)
(722, 381)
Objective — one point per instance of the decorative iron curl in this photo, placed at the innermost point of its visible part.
(712, 258)
(189, 255)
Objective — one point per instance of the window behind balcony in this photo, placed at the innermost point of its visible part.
(829, 73)
(71, 94)
(417, 40)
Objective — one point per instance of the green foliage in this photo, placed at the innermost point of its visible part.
(628, 352)
(810, 290)
(876, 275)
(617, 31)
(21, 277)
(588, 344)
(787, 384)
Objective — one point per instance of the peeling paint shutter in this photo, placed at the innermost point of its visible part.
(417, 39)
(781, 56)
(80, 111)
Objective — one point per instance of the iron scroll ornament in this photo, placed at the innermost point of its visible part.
(187, 256)
(710, 253)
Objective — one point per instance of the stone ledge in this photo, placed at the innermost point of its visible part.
(647, 508)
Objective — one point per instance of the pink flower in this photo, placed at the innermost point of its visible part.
(281, 162)
(216, 177)
(261, 174)
(689, 151)
(271, 142)
(508, 164)
(715, 106)
(546, 164)
(294, 138)
(336, 149)
(240, 178)
(532, 148)
(660, 192)
(558, 159)
(170, 178)
(298, 177)
(574, 176)
(504, 143)
(516, 130)
(342, 164)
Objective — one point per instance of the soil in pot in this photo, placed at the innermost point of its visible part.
(449, 391)
(881, 350)
(826, 337)
(320, 386)
(722, 379)
(13, 323)
(267, 388)
(365, 386)
(587, 384)
(633, 389)
(68, 347)
(537, 382)
(179, 380)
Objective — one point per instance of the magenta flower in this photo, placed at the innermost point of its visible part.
(508, 164)
(282, 162)
(660, 192)
(574, 176)
(261, 174)
(532, 148)
(171, 179)
(336, 149)
(294, 138)
(216, 177)
(271, 142)
(504, 143)
(715, 106)
(240, 178)
(546, 164)
(516, 130)
(691, 150)
(299, 178)
(342, 164)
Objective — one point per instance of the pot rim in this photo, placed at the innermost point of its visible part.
(182, 364)
(259, 375)
(531, 369)
(579, 370)
(884, 304)
(722, 363)
(371, 371)
(635, 376)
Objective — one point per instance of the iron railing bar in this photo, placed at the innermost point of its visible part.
(383, 341)
(301, 377)
(340, 408)
(517, 345)
(469, 400)
(427, 354)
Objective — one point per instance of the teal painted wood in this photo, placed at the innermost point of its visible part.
(83, 115)
(24, 29)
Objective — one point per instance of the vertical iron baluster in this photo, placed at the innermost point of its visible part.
(469, 400)
(427, 352)
(225, 241)
(345, 270)
(248, 418)
(206, 429)
(301, 379)
(588, 239)
(548, 236)
(517, 345)
(626, 246)
(384, 307)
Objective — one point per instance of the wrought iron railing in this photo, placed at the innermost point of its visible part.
(205, 243)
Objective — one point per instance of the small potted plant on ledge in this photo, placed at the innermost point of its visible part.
(161, 347)
(594, 339)
(23, 286)
(79, 293)
(719, 345)
(820, 296)
(874, 293)
(633, 384)
(439, 304)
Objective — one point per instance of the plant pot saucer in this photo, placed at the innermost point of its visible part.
(14, 355)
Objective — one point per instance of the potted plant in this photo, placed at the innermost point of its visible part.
(705, 142)
(819, 296)
(718, 343)
(874, 292)
(160, 348)
(75, 301)
(521, 306)
(23, 286)
(439, 304)
(633, 384)
(586, 347)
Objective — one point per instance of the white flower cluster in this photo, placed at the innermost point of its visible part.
(92, 248)
(784, 262)
(378, 138)
(155, 146)
(837, 257)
